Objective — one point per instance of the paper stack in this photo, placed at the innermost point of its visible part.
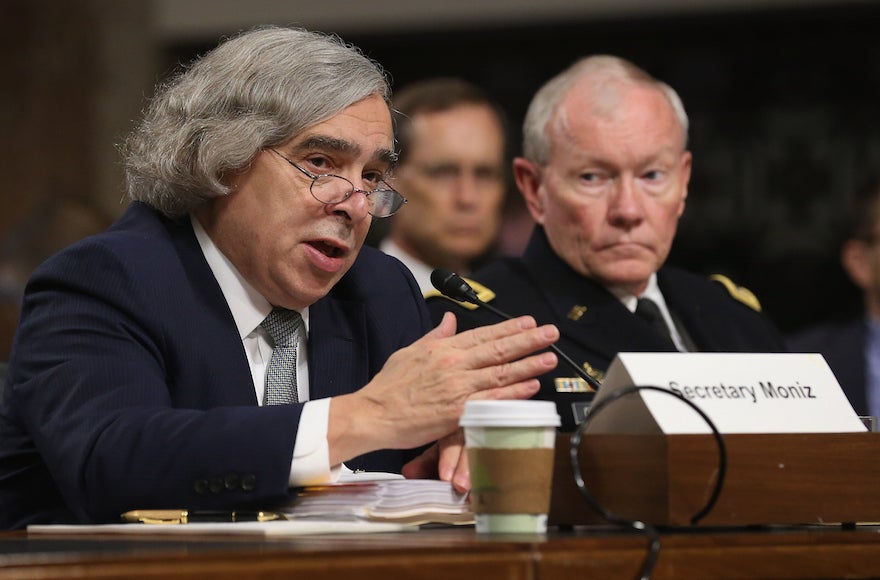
(406, 501)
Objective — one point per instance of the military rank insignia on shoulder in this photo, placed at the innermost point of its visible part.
(483, 294)
(740, 293)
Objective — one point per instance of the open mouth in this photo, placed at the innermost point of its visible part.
(328, 250)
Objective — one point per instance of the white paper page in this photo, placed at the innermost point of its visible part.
(273, 528)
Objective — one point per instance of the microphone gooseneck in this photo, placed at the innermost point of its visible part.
(454, 286)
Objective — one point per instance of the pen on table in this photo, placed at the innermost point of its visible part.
(178, 516)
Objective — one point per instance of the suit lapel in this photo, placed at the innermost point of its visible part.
(709, 328)
(215, 325)
(586, 314)
(602, 328)
(338, 354)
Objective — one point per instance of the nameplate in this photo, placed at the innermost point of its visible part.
(741, 393)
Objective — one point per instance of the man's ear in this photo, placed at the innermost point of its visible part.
(686, 162)
(856, 260)
(528, 180)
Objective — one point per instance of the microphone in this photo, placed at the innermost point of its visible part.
(453, 286)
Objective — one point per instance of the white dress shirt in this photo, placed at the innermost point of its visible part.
(653, 293)
(311, 458)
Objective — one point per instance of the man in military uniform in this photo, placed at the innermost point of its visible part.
(604, 173)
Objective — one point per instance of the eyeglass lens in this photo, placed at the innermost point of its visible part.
(335, 189)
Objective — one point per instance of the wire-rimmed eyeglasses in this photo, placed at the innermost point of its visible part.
(329, 189)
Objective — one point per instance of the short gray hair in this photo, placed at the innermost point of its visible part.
(255, 90)
(601, 68)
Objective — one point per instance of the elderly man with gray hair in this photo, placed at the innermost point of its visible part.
(229, 338)
(605, 173)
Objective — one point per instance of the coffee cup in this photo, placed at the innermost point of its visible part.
(510, 448)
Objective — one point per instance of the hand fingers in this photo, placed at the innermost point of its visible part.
(522, 390)
(450, 449)
(445, 329)
(483, 334)
(425, 466)
(511, 347)
(446, 458)
(454, 462)
(461, 481)
(520, 371)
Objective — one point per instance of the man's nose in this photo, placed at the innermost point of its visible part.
(355, 207)
(625, 205)
(467, 188)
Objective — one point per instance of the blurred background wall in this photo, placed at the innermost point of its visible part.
(783, 95)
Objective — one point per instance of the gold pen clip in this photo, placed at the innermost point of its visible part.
(189, 517)
(156, 516)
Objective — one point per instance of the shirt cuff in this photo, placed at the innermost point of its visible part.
(311, 453)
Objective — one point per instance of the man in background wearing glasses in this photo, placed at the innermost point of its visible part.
(229, 338)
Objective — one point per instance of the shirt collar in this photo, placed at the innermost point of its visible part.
(420, 270)
(248, 306)
(652, 291)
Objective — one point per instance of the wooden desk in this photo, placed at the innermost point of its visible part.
(458, 554)
(783, 478)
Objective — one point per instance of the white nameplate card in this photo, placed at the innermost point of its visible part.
(741, 393)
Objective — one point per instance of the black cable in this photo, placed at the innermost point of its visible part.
(648, 529)
(564, 357)
(455, 287)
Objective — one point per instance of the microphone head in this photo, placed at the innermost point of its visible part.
(453, 286)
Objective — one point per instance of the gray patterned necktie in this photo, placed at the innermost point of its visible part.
(283, 326)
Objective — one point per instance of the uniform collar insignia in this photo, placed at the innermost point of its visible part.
(576, 312)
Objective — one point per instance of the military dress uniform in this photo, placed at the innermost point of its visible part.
(712, 315)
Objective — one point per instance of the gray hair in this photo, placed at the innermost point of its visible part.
(255, 90)
(601, 69)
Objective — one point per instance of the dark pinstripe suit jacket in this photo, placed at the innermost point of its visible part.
(129, 388)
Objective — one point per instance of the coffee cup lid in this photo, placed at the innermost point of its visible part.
(509, 414)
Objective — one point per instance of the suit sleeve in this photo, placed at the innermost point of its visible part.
(107, 393)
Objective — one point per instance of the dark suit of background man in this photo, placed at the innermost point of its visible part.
(605, 174)
(852, 347)
(139, 368)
